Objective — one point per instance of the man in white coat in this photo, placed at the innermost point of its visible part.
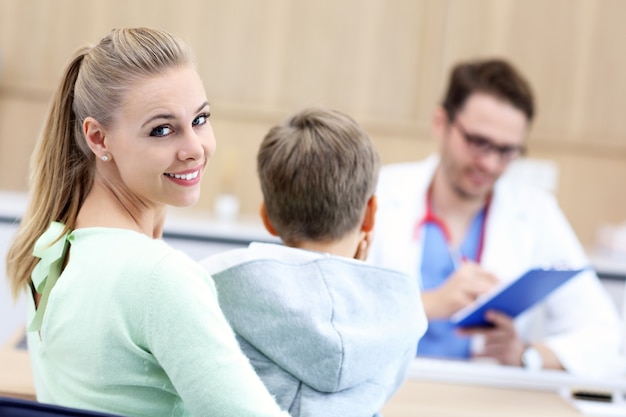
(456, 224)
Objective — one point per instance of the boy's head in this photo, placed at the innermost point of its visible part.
(318, 170)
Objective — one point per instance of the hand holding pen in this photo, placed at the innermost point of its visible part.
(465, 284)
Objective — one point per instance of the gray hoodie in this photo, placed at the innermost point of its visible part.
(329, 336)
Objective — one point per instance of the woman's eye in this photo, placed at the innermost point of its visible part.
(201, 119)
(161, 131)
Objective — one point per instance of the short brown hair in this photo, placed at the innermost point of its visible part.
(496, 77)
(317, 171)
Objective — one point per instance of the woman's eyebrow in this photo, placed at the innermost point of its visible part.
(169, 116)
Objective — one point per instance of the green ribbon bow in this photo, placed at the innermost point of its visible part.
(51, 247)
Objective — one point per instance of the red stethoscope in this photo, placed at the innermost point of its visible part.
(431, 217)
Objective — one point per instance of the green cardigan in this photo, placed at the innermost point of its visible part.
(133, 327)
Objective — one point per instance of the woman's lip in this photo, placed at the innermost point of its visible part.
(187, 171)
(181, 179)
(195, 175)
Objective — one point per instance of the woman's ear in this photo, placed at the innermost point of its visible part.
(266, 220)
(370, 214)
(95, 136)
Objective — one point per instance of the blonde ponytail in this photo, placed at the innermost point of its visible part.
(94, 84)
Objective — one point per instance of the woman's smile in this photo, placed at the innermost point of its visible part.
(187, 178)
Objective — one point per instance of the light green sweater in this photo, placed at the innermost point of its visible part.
(133, 327)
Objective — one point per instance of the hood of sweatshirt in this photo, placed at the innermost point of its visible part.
(331, 322)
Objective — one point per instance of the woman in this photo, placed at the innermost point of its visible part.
(121, 322)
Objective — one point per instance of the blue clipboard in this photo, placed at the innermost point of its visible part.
(515, 297)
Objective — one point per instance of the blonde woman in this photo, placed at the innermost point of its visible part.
(119, 321)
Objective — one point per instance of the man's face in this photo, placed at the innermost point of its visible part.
(478, 145)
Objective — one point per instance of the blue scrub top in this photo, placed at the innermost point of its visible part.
(438, 263)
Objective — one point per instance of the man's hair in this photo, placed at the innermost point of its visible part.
(495, 77)
(317, 171)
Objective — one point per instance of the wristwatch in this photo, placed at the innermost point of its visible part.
(531, 359)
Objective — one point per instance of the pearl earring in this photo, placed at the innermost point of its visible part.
(105, 158)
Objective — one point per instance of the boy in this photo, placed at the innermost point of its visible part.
(328, 334)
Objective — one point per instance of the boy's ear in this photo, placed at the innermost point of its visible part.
(370, 214)
(266, 221)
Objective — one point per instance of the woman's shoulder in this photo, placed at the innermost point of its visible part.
(132, 252)
(117, 240)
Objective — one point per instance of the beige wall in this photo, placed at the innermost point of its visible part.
(383, 61)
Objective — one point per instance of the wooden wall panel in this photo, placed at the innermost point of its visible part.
(550, 54)
(367, 61)
(516, 30)
(237, 52)
(604, 99)
(573, 53)
(20, 123)
(383, 61)
(590, 191)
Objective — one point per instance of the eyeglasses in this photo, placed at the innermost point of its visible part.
(481, 146)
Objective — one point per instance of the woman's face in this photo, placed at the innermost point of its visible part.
(161, 139)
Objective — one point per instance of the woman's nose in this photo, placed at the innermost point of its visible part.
(191, 147)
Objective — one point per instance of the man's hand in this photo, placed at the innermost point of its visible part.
(501, 341)
(460, 289)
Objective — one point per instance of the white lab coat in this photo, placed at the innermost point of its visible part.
(525, 229)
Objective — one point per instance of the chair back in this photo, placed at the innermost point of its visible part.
(12, 407)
